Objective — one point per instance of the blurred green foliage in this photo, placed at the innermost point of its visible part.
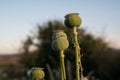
(98, 60)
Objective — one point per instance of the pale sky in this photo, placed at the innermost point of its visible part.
(19, 17)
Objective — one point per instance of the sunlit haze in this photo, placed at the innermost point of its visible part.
(18, 18)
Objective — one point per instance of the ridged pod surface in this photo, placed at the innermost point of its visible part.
(72, 20)
(60, 41)
(58, 34)
(37, 74)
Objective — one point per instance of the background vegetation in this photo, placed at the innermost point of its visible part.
(99, 61)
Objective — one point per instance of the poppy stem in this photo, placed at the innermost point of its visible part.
(77, 54)
(63, 73)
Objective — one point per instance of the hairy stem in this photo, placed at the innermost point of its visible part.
(77, 54)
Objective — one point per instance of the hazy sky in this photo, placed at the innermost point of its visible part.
(19, 17)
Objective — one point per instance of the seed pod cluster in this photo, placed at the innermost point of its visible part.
(60, 41)
(37, 74)
(72, 20)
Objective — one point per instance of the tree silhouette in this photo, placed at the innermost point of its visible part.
(96, 55)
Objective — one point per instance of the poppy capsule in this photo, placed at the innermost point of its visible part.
(37, 74)
(72, 20)
(60, 41)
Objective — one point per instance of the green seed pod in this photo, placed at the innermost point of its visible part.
(37, 74)
(72, 20)
(60, 44)
(60, 41)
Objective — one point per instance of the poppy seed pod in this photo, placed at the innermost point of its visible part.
(37, 74)
(60, 41)
(72, 20)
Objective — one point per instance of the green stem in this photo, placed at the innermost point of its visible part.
(77, 54)
(63, 73)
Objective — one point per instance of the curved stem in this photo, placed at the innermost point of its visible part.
(77, 54)
(63, 73)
